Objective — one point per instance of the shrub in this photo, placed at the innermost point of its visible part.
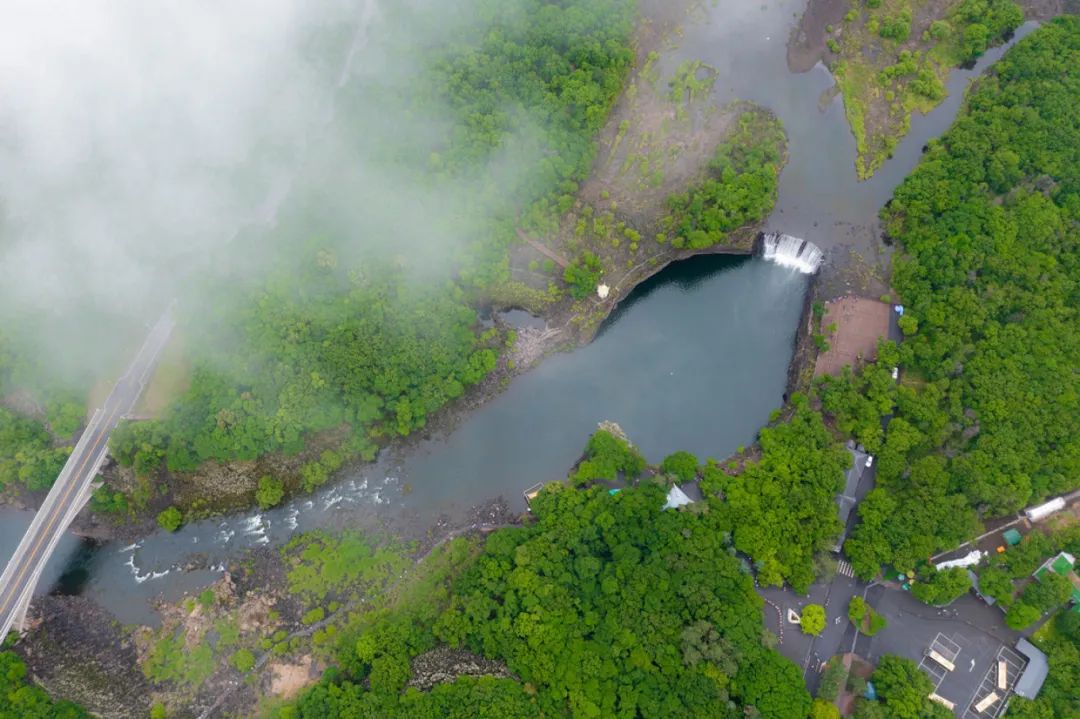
(822, 709)
(583, 275)
(315, 615)
(170, 519)
(243, 660)
(269, 492)
(940, 29)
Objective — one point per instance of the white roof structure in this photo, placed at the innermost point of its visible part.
(969, 559)
(1034, 514)
(676, 498)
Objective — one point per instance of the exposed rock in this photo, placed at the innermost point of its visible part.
(445, 664)
(78, 651)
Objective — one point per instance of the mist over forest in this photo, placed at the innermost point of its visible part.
(148, 152)
(328, 189)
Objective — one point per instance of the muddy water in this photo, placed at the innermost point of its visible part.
(695, 359)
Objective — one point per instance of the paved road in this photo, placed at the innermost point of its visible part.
(73, 487)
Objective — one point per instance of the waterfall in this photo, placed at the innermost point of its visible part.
(791, 251)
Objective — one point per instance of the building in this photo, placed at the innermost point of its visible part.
(1064, 565)
(1034, 674)
(845, 501)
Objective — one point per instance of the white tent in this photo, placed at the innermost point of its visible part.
(676, 498)
(969, 559)
(1044, 510)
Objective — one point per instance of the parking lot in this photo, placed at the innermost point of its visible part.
(941, 649)
(989, 686)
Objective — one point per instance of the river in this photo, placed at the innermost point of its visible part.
(694, 359)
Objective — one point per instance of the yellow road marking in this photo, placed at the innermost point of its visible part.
(10, 589)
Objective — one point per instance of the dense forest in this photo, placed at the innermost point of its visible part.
(332, 337)
(781, 507)
(739, 187)
(987, 417)
(891, 58)
(604, 606)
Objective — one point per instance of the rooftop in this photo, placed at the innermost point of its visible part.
(1031, 681)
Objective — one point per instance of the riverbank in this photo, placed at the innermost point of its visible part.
(658, 142)
(894, 58)
(262, 632)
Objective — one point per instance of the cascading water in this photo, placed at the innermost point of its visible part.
(791, 251)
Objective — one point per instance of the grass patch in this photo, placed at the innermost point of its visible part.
(893, 59)
(322, 564)
(171, 660)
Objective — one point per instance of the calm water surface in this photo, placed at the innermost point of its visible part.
(695, 359)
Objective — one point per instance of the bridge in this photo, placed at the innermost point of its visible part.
(72, 489)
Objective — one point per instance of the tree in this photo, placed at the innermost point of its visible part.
(1047, 592)
(1022, 615)
(813, 619)
(269, 492)
(991, 425)
(740, 188)
(941, 588)
(802, 461)
(583, 275)
(832, 680)
(682, 465)
(995, 582)
(170, 519)
(904, 689)
(19, 698)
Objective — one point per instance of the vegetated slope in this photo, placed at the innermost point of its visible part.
(892, 57)
(780, 507)
(19, 698)
(605, 606)
(1060, 639)
(988, 417)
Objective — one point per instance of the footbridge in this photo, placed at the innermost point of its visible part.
(72, 489)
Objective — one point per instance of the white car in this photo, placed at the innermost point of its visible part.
(896, 373)
(869, 460)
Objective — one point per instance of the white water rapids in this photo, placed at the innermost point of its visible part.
(789, 251)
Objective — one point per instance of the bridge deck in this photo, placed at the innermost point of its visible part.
(72, 488)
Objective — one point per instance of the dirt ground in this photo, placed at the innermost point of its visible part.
(288, 679)
(859, 322)
(806, 46)
(656, 142)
